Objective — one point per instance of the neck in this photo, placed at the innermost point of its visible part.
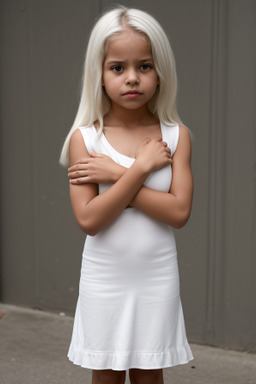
(118, 116)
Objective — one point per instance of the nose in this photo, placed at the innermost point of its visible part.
(132, 77)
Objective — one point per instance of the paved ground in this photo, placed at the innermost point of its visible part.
(33, 348)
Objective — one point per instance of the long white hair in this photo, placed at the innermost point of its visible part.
(94, 103)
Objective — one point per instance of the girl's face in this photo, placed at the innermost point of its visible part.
(129, 75)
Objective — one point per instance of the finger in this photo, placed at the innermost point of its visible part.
(97, 155)
(81, 180)
(77, 174)
(78, 166)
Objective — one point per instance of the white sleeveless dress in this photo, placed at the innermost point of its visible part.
(129, 313)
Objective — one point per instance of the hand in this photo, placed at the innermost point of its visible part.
(98, 168)
(153, 154)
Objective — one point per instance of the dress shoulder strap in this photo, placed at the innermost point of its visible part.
(171, 135)
(89, 135)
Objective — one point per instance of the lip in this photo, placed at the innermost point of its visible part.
(132, 94)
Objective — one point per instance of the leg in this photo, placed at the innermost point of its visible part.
(131, 376)
(107, 376)
(146, 376)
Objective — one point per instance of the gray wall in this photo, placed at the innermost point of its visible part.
(42, 50)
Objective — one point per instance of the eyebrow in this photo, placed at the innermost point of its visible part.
(121, 62)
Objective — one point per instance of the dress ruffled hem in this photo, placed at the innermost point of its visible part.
(121, 361)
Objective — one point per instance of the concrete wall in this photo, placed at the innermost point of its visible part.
(42, 51)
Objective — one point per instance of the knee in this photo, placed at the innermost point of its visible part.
(108, 377)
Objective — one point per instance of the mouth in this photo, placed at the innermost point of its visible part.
(132, 94)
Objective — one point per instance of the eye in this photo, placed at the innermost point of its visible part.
(117, 68)
(145, 67)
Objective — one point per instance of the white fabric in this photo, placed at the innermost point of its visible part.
(129, 313)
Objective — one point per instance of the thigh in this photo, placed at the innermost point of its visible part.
(146, 376)
(108, 376)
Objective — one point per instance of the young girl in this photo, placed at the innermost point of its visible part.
(130, 183)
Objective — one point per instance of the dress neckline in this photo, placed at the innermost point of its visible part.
(117, 152)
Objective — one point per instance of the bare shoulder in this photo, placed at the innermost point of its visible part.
(76, 138)
(77, 148)
(185, 133)
(184, 146)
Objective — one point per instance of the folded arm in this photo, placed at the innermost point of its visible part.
(94, 211)
(172, 208)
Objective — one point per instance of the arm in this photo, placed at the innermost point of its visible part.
(94, 212)
(98, 168)
(172, 208)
